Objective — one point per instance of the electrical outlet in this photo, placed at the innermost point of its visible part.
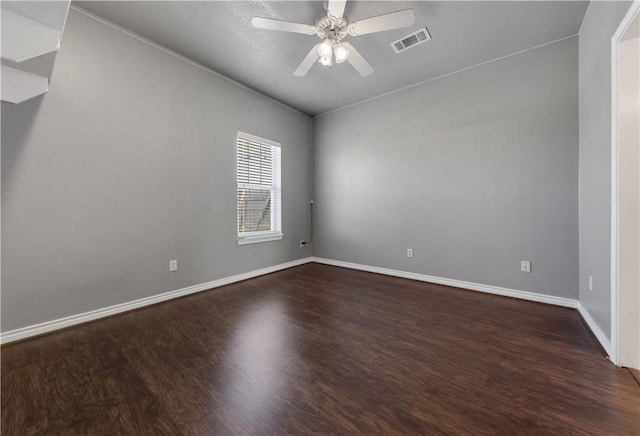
(590, 283)
(409, 252)
(303, 243)
(525, 266)
(173, 265)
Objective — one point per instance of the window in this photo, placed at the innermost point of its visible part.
(259, 190)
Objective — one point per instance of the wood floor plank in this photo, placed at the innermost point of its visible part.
(321, 349)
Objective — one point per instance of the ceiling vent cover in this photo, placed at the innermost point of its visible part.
(412, 40)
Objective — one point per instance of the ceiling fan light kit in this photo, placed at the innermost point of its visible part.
(340, 52)
(332, 27)
(329, 50)
(325, 48)
(326, 61)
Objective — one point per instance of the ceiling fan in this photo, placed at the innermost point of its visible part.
(332, 28)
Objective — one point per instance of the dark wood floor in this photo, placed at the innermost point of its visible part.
(321, 349)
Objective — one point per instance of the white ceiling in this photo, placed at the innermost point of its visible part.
(219, 35)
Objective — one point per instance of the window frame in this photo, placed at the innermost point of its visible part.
(275, 233)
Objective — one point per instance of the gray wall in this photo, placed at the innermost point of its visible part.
(474, 171)
(128, 162)
(599, 25)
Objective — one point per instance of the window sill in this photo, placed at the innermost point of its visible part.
(256, 239)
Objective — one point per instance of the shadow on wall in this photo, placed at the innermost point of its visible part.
(17, 123)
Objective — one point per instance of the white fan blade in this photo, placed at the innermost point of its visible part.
(307, 62)
(285, 26)
(357, 61)
(394, 20)
(336, 8)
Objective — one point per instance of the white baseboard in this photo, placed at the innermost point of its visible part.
(531, 296)
(57, 324)
(596, 330)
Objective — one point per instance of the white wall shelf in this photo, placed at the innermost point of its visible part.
(30, 30)
(19, 86)
(23, 38)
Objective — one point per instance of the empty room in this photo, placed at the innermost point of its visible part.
(320, 217)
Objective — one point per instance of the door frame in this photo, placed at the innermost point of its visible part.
(615, 39)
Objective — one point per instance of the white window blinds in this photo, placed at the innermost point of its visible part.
(259, 189)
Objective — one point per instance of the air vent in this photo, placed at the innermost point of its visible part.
(412, 40)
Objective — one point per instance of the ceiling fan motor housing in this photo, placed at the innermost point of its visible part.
(332, 28)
